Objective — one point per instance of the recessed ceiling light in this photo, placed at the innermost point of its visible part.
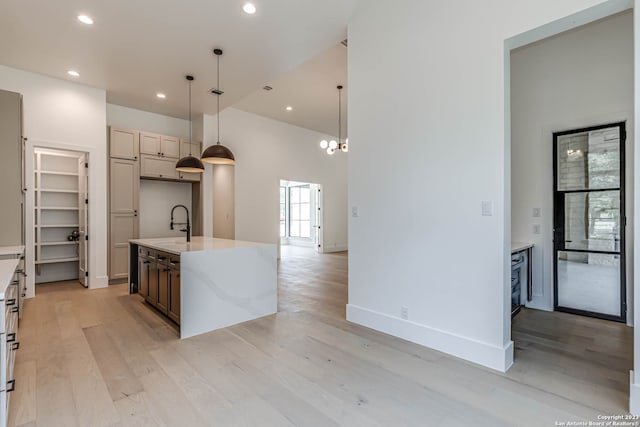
(85, 19)
(289, 108)
(161, 95)
(73, 73)
(249, 8)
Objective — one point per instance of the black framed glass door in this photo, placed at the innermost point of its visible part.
(589, 221)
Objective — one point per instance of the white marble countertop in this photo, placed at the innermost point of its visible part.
(178, 245)
(7, 268)
(520, 246)
(11, 250)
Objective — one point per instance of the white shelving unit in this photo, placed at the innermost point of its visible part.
(56, 215)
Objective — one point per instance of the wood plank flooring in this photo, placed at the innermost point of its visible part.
(103, 358)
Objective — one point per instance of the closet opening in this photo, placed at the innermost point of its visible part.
(59, 216)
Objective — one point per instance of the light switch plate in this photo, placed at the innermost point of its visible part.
(536, 212)
(355, 212)
(487, 208)
(536, 229)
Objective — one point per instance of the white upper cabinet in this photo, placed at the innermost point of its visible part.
(150, 144)
(123, 143)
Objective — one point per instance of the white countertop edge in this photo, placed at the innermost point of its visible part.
(520, 246)
(11, 250)
(7, 268)
(178, 245)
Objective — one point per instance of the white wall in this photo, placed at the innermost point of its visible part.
(61, 114)
(267, 151)
(578, 79)
(427, 120)
(156, 200)
(130, 118)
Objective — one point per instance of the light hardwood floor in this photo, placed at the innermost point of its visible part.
(101, 358)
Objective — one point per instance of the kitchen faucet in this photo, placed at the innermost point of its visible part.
(188, 229)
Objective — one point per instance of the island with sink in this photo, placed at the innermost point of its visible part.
(207, 283)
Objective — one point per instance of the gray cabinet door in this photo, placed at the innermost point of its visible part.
(158, 167)
(10, 169)
(143, 276)
(170, 147)
(163, 289)
(124, 186)
(174, 295)
(123, 227)
(150, 144)
(124, 144)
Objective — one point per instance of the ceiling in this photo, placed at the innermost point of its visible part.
(138, 48)
(310, 89)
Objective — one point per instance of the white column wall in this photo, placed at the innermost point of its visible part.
(428, 120)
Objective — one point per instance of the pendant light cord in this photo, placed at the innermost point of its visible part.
(339, 118)
(218, 99)
(190, 121)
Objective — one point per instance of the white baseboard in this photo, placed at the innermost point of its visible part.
(99, 282)
(336, 248)
(634, 395)
(494, 357)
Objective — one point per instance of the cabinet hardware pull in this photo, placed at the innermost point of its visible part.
(11, 301)
(162, 258)
(15, 346)
(14, 310)
(147, 262)
(11, 386)
(11, 337)
(159, 154)
(15, 282)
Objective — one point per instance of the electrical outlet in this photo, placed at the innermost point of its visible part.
(404, 312)
(355, 212)
(536, 229)
(536, 212)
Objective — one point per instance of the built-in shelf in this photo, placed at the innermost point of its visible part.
(56, 209)
(57, 173)
(66, 242)
(53, 190)
(56, 260)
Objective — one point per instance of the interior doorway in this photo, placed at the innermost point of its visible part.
(57, 221)
(301, 215)
(589, 221)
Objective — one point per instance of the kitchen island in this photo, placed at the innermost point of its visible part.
(205, 284)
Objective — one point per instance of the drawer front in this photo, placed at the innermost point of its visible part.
(147, 253)
(174, 261)
(163, 258)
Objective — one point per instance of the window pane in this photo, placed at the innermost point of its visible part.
(305, 209)
(305, 194)
(283, 210)
(282, 229)
(589, 282)
(589, 160)
(294, 228)
(592, 221)
(295, 212)
(305, 229)
(282, 194)
(294, 195)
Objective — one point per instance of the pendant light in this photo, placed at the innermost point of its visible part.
(218, 154)
(190, 163)
(333, 145)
